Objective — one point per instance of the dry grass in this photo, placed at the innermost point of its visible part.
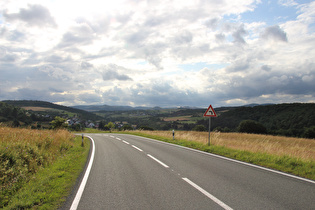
(35, 108)
(24, 151)
(300, 148)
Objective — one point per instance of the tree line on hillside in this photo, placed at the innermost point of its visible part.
(296, 119)
(30, 103)
(13, 115)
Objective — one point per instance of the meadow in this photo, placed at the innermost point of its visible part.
(38, 167)
(291, 155)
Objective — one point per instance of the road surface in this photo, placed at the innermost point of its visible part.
(130, 172)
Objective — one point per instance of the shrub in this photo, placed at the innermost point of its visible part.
(147, 128)
(199, 128)
(251, 126)
(309, 133)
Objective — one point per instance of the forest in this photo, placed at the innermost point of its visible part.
(288, 119)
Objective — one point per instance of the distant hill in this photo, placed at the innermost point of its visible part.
(93, 108)
(84, 115)
(279, 119)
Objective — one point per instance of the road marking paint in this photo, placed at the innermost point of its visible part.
(77, 198)
(233, 160)
(160, 162)
(223, 205)
(112, 136)
(125, 142)
(137, 148)
(118, 139)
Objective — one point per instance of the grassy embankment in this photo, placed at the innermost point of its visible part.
(38, 167)
(292, 155)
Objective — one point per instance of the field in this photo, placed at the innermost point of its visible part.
(38, 163)
(276, 145)
(34, 108)
(291, 155)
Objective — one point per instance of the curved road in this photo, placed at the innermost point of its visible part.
(131, 172)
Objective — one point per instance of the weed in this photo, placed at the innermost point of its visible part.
(23, 152)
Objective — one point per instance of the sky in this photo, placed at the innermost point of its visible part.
(163, 53)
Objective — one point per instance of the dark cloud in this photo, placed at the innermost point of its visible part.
(90, 98)
(34, 15)
(238, 66)
(86, 65)
(6, 57)
(137, 37)
(111, 72)
(274, 33)
(239, 34)
(266, 68)
(220, 37)
(212, 23)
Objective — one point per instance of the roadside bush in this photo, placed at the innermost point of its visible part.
(23, 152)
(309, 133)
(251, 126)
(146, 128)
(199, 128)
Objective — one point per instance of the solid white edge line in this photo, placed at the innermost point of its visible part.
(77, 198)
(160, 162)
(137, 148)
(125, 142)
(213, 198)
(236, 161)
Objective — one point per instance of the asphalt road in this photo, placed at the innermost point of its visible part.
(130, 172)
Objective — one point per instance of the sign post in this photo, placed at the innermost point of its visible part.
(209, 113)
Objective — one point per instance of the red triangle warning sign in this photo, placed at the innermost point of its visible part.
(210, 112)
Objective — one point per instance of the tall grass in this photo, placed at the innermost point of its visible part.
(23, 152)
(300, 148)
(291, 155)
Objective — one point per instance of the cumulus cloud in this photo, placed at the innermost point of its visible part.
(274, 33)
(34, 15)
(239, 34)
(155, 53)
(111, 72)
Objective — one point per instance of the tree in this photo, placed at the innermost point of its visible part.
(199, 128)
(127, 127)
(309, 133)
(147, 128)
(251, 126)
(58, 122)
(109, 126)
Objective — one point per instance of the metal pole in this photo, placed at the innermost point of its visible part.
(209, 131)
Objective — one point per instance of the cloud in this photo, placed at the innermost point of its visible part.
(238, 35)
(111, 72)
(169, 53)
(34, 15)
(274, 33)
(266, 68)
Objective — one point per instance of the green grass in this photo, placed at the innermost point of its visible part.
(93, 130)
(283, 163)
(49, 187)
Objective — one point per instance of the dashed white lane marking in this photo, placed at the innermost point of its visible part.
(126, 142)
(207, 194)
(137, 148)
(78, 196)
(223, 205)
(157, 160)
